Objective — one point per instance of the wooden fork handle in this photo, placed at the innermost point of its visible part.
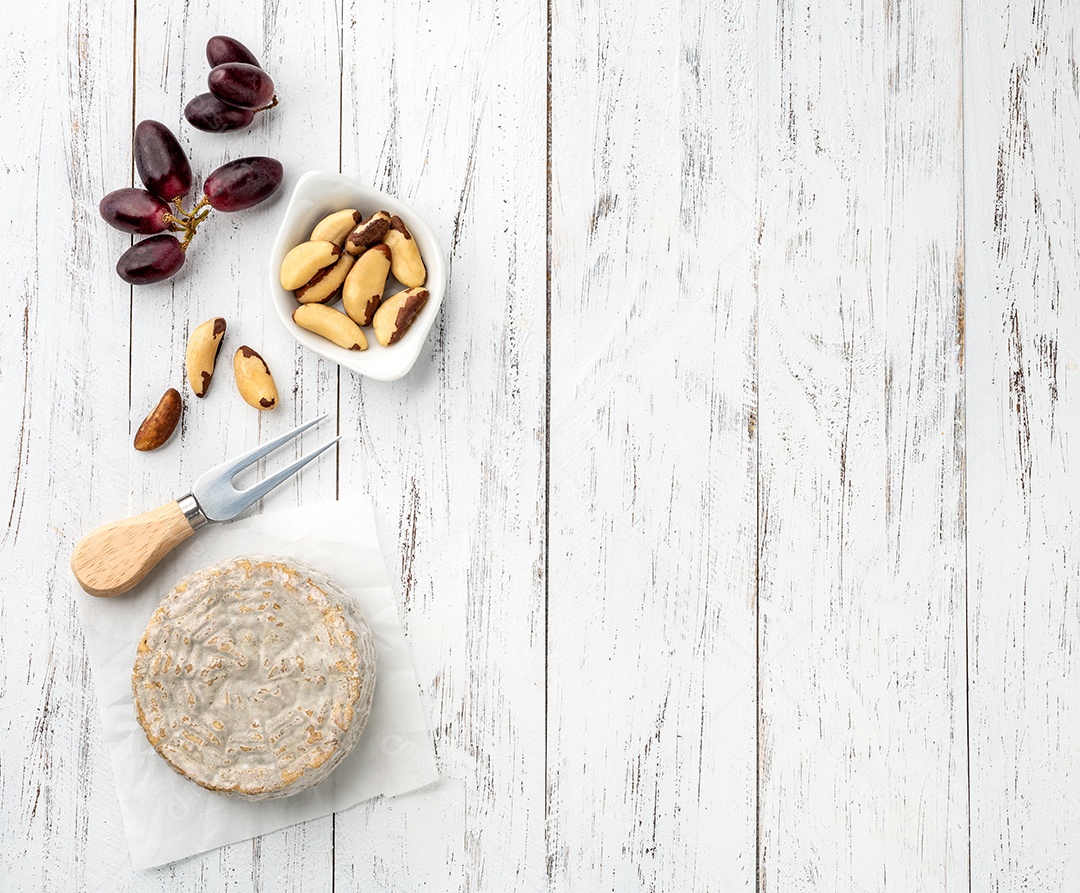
(113, 558)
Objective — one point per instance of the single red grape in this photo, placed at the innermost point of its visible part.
(163, 167)
(237, 83)
(207, 112)
(243, 183)
(135, 211)
(221, 49)
(151, 260)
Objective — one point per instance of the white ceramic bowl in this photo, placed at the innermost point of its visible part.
(317, 194)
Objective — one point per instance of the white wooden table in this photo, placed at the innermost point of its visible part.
(732, 500)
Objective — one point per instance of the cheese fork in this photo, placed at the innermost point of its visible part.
(113, 558)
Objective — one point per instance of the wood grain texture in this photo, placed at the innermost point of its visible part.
(63, 408)
(1022, 110)
(226, 275)
(651, 663)
(116, 556)
(445, 110)
(733, 541)
(861, 569)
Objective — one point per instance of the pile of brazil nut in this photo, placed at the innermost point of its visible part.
(253, 381)
(351, 256)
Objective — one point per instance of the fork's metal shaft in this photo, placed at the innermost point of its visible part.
(189, 505)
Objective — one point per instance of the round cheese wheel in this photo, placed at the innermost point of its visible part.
(255, 677)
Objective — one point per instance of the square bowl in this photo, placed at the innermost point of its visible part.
(317, 194)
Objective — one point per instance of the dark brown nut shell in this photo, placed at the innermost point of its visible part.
(368, 232)
(159, 425)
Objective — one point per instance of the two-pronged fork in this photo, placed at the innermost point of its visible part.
(115, 557)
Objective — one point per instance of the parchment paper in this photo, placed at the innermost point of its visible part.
(167, 817)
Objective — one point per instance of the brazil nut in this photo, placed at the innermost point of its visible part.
(405, 261)
(324, 285)
(363, 289)
(304, 261)
(368, 232)
(253, 379)
(202, 352)
(396, 314)
(331, 324)
(159, 425)
(336, 227)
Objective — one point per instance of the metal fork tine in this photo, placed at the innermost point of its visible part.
(235, 465)
(259, 490)
(219, 500)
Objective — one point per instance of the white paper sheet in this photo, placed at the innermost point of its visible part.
(167, 817)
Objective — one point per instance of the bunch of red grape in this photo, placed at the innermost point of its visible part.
(238, 88)
(166, 173)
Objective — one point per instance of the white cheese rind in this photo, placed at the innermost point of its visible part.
(255, 677)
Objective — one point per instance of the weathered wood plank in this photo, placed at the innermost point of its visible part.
(226, 275)
(1022, 108)
(63, 423)
(444, 106)
(834, 134)
(651, 752)
(861, 567)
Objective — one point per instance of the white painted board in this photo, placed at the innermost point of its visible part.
(729, 501)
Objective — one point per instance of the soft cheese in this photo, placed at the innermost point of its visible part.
(255, 677)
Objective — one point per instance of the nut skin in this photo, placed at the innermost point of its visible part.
(324, 285)
(405, 261)
(304, 261)
(396, 314)
(253, 379)
(336, 227)
(202, 353)
(331, 324)
(368, 232)
(158, 427)
(363, 289)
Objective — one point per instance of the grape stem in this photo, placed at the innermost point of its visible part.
(269, 105)
(188, 221)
